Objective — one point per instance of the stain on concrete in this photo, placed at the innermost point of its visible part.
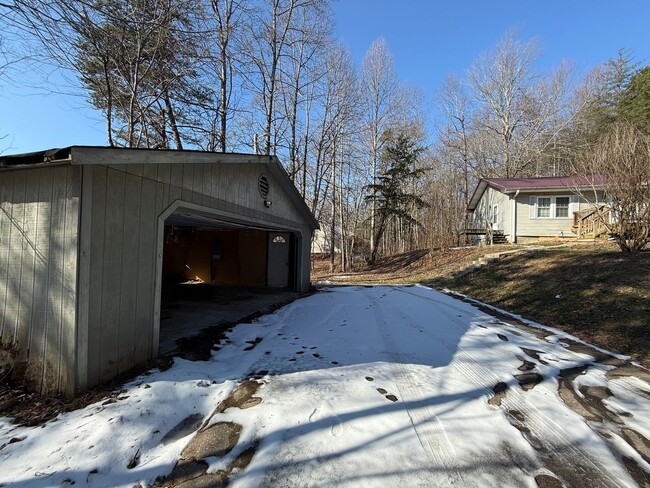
(217, 440)
(547, 481)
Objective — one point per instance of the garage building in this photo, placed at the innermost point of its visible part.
(89, 236)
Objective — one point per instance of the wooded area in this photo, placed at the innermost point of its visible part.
(269, 76)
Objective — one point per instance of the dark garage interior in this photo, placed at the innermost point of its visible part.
(220, 272)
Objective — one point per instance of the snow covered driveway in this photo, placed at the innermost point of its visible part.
(359, 386)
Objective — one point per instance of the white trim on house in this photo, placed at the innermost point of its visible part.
(513, 217)
(572, 204)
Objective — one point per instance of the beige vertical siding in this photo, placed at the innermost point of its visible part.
(39, 219)
(122, 243)
(126, 203)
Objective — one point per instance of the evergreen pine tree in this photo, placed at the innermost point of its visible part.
(390, 194)
(634, 106)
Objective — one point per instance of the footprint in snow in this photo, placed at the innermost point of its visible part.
(502, 337)
(516, 414)
(389, 396)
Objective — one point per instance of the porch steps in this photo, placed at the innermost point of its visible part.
(499, 238)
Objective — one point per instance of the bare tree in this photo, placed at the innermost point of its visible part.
(300, 71)
(267, 35)
(620, 164)
(520, 110)
(378, 87)
(501, 80)
(5, 63)
(4, 58)
(228, 16)
(456, 134)
(342, 93)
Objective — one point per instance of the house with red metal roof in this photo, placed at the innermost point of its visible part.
(524, 209)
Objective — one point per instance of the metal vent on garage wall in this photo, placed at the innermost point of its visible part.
(263, 185)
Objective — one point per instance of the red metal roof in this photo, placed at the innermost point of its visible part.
(511, 185)
(505, 184)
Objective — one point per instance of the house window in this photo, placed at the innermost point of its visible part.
(495, 215)
(543, 207)
(561, 207)
(553, 207)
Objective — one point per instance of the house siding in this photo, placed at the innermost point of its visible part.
(547, 227)
(483, 212)
(128, 201)
(39, 228)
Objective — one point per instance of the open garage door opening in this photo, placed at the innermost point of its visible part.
(216, 272)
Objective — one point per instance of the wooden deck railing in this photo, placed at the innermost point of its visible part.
(590, 222)
(480, 228)
(475, 227)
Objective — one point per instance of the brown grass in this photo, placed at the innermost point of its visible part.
(411, 267)
(597, 293)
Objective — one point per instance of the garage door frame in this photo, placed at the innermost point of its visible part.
(204, 212)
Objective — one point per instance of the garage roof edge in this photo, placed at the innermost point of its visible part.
(283, 178)
(81, 155)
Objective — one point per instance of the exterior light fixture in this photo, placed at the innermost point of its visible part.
(268, 203)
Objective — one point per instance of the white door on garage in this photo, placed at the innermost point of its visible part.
(278, 272)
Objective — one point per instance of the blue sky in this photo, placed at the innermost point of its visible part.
(428, 39)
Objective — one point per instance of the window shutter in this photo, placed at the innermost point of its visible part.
(532, 207)
(575, 204)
